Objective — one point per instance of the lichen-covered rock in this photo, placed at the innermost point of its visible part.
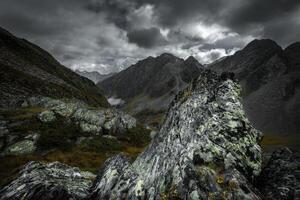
(206, 149)
(93, 121)
(280, 179)
(23, 147)
(48, 181)
(47, 116)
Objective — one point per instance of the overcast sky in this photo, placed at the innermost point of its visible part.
(109, 35)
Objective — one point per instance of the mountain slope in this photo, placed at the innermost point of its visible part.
(150, 85)
(270, 77)
(94, 76)
(27, 70)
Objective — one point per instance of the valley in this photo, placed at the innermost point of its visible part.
(164, 128)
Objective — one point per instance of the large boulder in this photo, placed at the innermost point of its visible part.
(53, 181)
(206, 149)
(23, 147)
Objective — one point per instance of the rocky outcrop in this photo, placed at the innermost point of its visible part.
(48, 182)
(206, 149)
(270, 78)
(280, 179)
(91, 120)
(20, 136)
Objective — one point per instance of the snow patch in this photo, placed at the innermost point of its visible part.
(115, 101)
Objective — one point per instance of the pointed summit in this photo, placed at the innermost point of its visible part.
(263, 43)
(191, 60)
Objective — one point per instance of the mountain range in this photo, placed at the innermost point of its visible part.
(94, 76)
(150, 85)
(270, 77)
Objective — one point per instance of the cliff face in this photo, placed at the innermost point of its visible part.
(205, 149)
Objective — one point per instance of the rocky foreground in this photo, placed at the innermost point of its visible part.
(44, 117)
(206, 149)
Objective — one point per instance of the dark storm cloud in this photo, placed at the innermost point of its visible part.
(172, 11)
(146, 37)
(260, 12)
(117, 10)
(107, 35)
(274, 18)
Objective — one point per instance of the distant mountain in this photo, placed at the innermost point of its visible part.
(26, 70)
(149, 86)
(96, 77)
(270, 77)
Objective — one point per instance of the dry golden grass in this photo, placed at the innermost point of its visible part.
(280, 140)
(22, 113)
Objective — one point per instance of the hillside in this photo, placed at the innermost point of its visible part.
(26, 70)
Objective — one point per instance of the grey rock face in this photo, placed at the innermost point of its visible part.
(280, 179)
(206, 149)
(48, 181)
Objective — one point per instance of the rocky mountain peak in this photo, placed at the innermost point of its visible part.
(191, 60)
(166, 57)
(263, 43)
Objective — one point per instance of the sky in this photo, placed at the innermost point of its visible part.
(110, 35)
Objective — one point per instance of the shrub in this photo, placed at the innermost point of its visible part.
(138, 136)
(60, 134)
